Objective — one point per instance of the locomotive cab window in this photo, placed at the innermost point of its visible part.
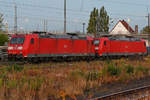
(32, 41)
(104, 42)
(144, 43)
(17, 40)
(96, 42)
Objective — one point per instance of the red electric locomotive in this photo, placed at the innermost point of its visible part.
(38, 46)
(120, 46)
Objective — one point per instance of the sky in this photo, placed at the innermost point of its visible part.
(32, 13)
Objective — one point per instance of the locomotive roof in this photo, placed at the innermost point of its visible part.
(38, 32)
(120, 37)
(65, 36)
(124, 38)
(59, 36)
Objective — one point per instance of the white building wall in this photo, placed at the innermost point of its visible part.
(119, 29)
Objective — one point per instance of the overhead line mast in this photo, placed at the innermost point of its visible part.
(148, 19)
(15, 19)
(65, 16)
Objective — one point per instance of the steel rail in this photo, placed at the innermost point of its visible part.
(121, 92)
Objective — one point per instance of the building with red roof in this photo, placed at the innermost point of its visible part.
(122, 27)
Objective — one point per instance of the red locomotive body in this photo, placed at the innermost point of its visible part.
(112, 46)
(40, 46)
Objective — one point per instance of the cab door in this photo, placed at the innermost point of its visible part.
(34, 47)
(97, 47)
(106, 46)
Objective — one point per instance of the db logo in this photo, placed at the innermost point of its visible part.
(65, 46)
(15, 47)
(126, 46)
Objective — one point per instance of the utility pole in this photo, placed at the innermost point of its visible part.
(44, 25)
(148, 24)
(83, 28)
(6, 27)
(148, 17)
(15, 19)
(65, 16)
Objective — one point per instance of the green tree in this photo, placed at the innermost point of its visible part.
(93, 21)
(103, 21)
(1, 21)
(3, 36)
(99, 21)
(146, 30)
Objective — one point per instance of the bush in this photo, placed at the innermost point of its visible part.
(129, 69)
(12, 68)
(91, 76)
(11, 83)
(108, 61)
(35, 84)
(76, 74)
(142, 69)
(3, 38)
(1, 82)
(113, 70)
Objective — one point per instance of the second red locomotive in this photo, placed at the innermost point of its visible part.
(120, 46)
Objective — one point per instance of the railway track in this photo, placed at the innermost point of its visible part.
(139, 93)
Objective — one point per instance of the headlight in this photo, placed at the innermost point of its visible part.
(20, 52)
(9, 52)
(96, 48)
(10, 48)
(20, 48)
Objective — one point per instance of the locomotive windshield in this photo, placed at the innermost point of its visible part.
(96, 42)
(17, 40)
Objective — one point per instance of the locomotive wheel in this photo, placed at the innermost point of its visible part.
(9, 59)
(35, 60)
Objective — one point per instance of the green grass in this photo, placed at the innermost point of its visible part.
(129, 69)
(113, 70)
